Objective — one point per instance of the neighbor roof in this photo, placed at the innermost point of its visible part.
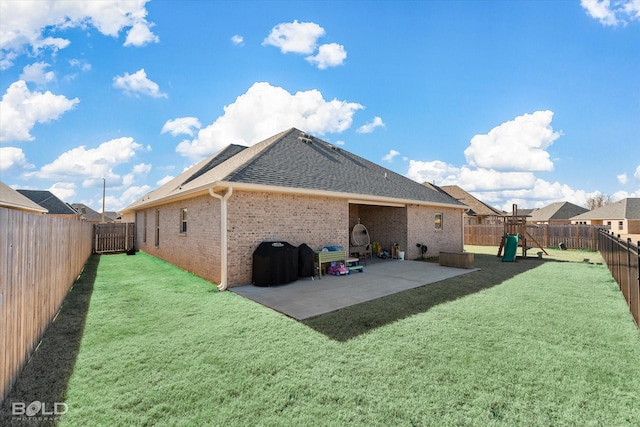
(10, 198)
(624, 209)
(557, 211)
(293, 161)
(49, 201)
(478, 207)
(91, 215)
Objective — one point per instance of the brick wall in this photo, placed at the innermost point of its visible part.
(258, 217)
(197, 250)
(420, 229)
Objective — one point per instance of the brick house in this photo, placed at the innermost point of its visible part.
(291, 187)
(622, 217)
(479, 212)
(559, 213)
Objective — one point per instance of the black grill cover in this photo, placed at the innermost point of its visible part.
(275, 263)
(306, 261)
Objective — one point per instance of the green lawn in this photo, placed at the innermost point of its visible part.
(531, 343)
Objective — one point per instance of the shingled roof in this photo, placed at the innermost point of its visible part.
(556, 211)
(293, 161)
(478, 207)
(48, 200)
(10, 198)
(624, 209)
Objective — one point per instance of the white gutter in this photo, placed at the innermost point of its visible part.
(224, 238)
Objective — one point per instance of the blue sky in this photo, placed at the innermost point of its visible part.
(527, 102)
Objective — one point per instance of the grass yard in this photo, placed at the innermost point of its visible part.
(531, 343)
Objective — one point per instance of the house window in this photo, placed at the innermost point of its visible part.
(609, 224)
(620, 225)
(157, 228)
(183, 220)
(438, 221)
(144, 227)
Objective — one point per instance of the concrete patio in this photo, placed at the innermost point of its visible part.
(306, 298)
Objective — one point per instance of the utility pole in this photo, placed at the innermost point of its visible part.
(104, 186)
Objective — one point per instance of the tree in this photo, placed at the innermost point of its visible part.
(598, 201)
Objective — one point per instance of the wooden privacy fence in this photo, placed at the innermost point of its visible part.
(623, 259)
(40, 258)
(113, 237)
(548, 235)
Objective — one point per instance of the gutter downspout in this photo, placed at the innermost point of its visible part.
(462, 223)
(224, 238)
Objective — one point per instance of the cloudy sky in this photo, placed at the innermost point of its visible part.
(527, 102)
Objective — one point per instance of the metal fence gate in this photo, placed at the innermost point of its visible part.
(114, 237)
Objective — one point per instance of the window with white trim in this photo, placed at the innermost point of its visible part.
(183, 220)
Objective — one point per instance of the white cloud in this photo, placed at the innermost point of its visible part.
(489, 179)
(503, 185)
(182, 125)
(632, 8)
(140, 34)
(433, 172)
(81, 64)
(600, 10)
(114, 203)
(622, 178)
(92, 164)
(612, 14)
(12, 157)
(296, 37)
(23, 23)
(540, 194)
(138, 84)
(619, 195)
(390, 156)
(329, 55)
(265, 110)
(36, 73)
(237, 40)
(139, 169)
(637, 172)
(21, 109)
(65, 191)
(370, 127)
(518, 144)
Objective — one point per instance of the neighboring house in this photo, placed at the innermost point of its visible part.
(479, 212)
(49, 201)
(291, 187)
(114, 216)
(89, 215)
(559, 213)
(11, 199)
(622, 217)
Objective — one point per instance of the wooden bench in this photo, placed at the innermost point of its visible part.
(324, 257)
(456, 259)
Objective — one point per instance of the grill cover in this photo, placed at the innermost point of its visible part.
(306, 261)
(275, 263)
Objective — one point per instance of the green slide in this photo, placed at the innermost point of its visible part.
(510, 248)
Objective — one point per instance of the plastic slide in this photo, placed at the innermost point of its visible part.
(510, 248)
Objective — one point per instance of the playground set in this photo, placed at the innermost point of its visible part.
(516, 234)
